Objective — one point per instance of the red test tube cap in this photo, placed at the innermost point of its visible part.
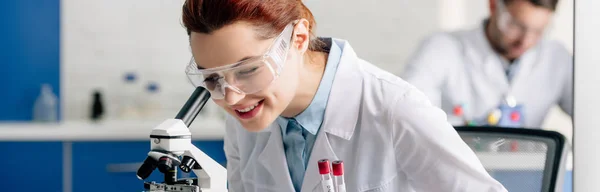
(338, 168)
(324, 166)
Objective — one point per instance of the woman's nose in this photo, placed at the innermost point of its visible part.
(232, 97)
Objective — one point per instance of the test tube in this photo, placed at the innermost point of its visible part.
(514, 146)
(338, 175)
(326, 180)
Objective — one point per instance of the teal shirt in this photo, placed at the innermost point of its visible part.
(312, 117)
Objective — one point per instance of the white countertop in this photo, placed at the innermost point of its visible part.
(101, 131)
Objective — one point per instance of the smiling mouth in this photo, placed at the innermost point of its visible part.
(249, 112)
(248, 109)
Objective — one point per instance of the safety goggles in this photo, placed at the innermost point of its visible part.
(512, 27)
(245, 77)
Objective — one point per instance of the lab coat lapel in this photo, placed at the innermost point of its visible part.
(321, 150)
(341, 114)
(528, 61)
(273, 159)
(345, 98)
(487, 62)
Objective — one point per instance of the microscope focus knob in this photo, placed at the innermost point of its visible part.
(167, 163)
(188, 163)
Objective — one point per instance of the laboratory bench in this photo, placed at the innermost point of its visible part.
(104, 156)
(87, 156)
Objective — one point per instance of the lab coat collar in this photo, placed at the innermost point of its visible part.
(322, 150)
(341, 114)
(488, 61)
(484, 44)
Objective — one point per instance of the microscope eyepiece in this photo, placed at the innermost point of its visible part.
(193, 105)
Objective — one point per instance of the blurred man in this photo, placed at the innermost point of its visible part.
(502, 73)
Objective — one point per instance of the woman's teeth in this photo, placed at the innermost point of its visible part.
(248, 109)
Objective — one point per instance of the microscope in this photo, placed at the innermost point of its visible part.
(171, 148)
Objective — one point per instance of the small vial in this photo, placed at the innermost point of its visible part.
(338, 176)
(326, 180)
(514, 146)
(456, 118)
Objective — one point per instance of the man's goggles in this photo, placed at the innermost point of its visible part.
(512, 27)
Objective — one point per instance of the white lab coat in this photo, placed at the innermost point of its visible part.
(461, 68)
(388, 134)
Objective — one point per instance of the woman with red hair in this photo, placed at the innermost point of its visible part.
(294, 98)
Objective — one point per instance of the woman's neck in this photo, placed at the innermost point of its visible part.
(309, 79)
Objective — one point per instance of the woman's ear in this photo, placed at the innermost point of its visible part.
(301, 35)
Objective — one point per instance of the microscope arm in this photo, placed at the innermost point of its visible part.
(211, 175)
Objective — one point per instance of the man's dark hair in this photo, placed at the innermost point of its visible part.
(548, 4)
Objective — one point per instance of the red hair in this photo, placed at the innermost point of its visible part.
(269, 16)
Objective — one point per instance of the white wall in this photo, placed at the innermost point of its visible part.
(101, 40)
(384, 32)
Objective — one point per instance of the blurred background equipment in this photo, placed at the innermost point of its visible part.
(97, 108)
(152, 105)
(523, 160)
(129, 94)
(46, 106)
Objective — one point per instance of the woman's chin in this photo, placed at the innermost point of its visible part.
(255, 127)
(258, 123)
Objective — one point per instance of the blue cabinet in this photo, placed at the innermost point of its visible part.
(112, 166)
(92, 160)
(31, 166)
(29, 54)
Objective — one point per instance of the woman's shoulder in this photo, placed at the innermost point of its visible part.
(369, 72)
(380, 79)
(380, 89)
(390, 91)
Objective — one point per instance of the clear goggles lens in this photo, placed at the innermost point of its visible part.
(511, 27)
(245, 77)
